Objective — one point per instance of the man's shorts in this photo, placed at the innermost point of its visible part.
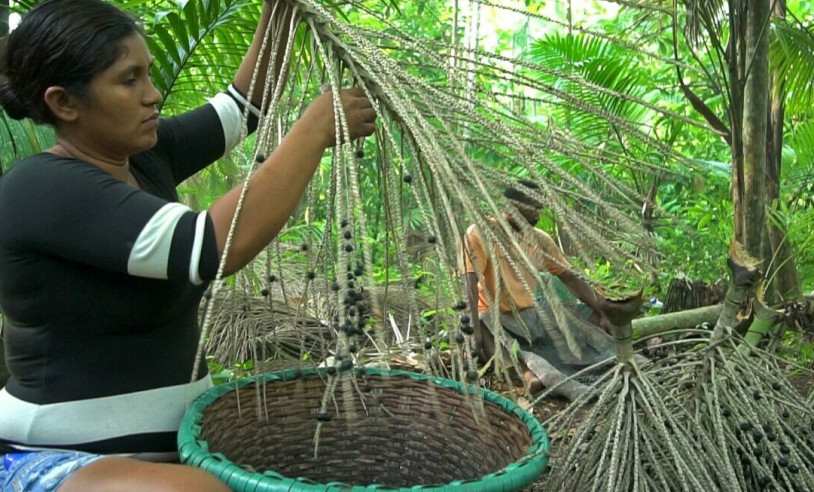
(41, 471)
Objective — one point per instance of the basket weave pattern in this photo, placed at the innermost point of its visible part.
(394, 431)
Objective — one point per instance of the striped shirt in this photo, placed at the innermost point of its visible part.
(100, 283)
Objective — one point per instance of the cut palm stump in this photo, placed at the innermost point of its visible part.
(628, 438)
(376, 429)
(741, 401)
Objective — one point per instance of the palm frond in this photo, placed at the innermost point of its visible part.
(194, 42)
(791, 55)
(19, 139)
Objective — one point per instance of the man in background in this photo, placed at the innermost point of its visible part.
(550, 350)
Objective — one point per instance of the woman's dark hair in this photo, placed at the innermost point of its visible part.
(59, 43)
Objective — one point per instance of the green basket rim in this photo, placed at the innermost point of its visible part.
(195, 452)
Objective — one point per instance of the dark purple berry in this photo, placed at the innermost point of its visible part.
(459, 338)
(360, 153)
(348, 248)
(472, 375)
(260, 158)
(311, 275)
(431, 239)
(408, 179)
(324, 417)
(427, 345)
(264, 292)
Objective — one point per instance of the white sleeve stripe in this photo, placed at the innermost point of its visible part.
(151, 251)
(197, 246)
(237, 95)
(231, 119)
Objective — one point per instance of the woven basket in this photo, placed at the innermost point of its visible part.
(388, 430)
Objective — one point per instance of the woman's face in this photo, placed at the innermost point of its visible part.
(120, 115)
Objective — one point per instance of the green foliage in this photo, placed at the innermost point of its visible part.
(198, 44)
(792, 57)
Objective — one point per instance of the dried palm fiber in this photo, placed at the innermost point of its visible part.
(684, 293)
(624, 435)
(425, 166)
(245, 326)
(280, 320)
(740, 404)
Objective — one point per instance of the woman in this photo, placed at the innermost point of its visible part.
(101, 270)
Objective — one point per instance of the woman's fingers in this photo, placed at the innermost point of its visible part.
(359, 112)
(357, 108)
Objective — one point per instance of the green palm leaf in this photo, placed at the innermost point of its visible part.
(792, 56)
(197, 48)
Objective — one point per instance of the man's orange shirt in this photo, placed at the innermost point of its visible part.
(540, 249)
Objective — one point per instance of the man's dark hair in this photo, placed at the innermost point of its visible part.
(59, 43)
(513, 193)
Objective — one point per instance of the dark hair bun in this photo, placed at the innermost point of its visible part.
(11, 103)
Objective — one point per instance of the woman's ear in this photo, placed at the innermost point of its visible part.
(62, 105)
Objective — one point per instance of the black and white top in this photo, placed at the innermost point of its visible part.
(100, 284)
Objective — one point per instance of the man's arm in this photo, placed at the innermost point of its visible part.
(581, 289)
(587, 295)
(471, 279)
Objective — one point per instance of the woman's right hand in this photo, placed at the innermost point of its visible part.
(320, 119)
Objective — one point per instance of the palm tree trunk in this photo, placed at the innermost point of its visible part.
(779, 254)
(4, 6)
(755, 116)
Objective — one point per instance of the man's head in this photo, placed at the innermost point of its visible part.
(527, 206)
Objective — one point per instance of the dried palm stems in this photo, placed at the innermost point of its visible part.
(742, 403)
(628, 436)
(426, 159)
(709, 413)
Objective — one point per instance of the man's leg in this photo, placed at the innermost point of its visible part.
(551, 377)
(485, 341)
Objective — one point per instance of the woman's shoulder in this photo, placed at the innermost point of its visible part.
(44, 172)
(41, 163)
(29, 167)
